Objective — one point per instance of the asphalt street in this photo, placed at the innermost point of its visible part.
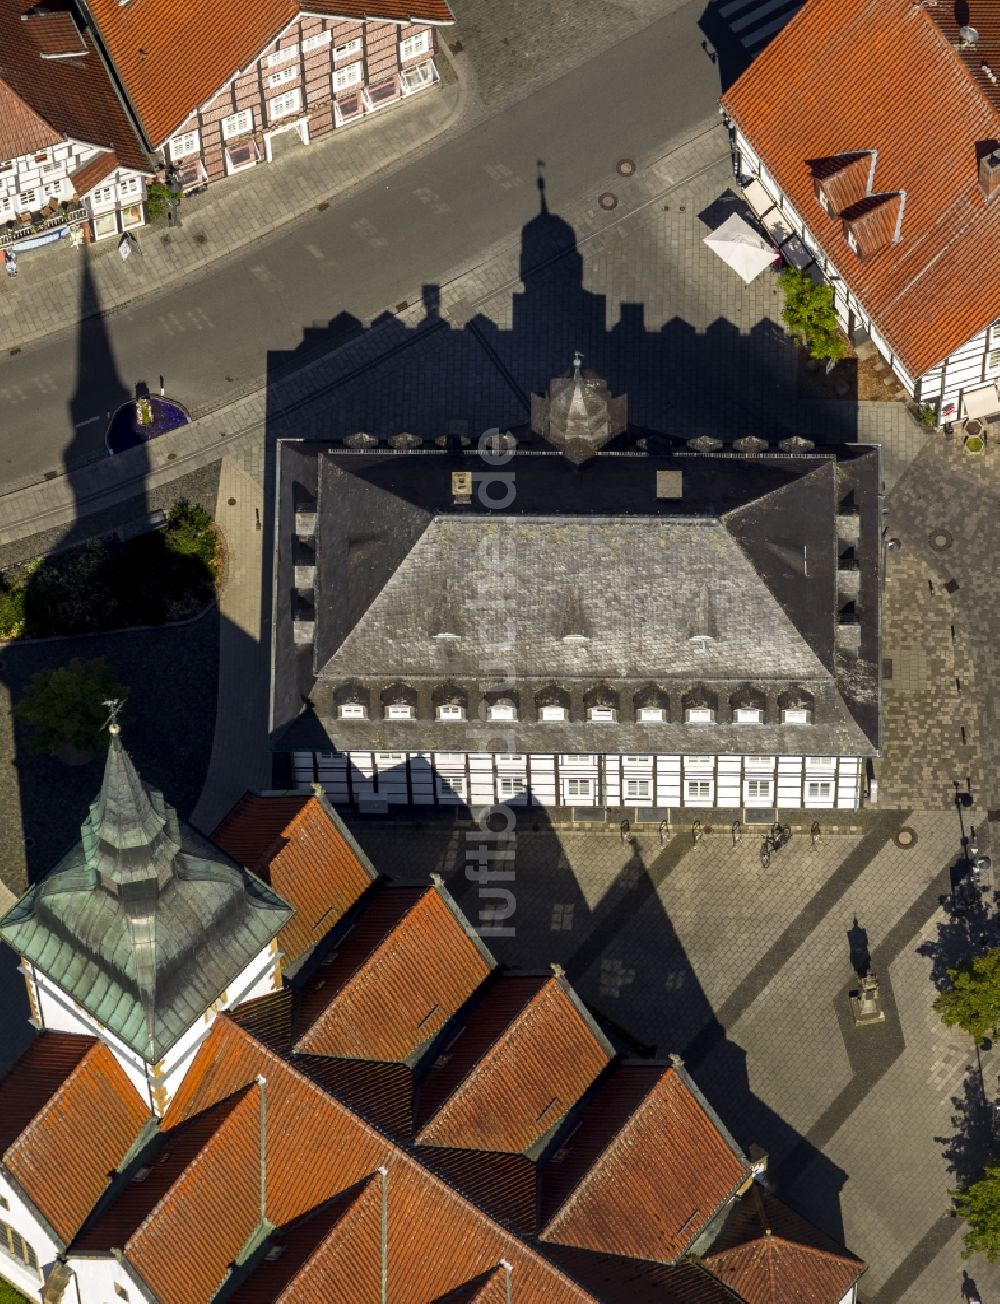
(424, 224)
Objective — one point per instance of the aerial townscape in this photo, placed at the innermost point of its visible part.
(499, 588)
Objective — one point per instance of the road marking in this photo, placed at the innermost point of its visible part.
(89, 422)
(44, 383)
(368, 232)
(318, 254)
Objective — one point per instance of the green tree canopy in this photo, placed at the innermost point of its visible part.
(65, 706)
(810, 316)
(972, 1002)
(979, 1205)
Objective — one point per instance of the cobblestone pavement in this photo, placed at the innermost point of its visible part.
(696, 949)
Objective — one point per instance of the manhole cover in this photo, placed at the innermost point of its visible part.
(941, 540)
(906, 837)
(625, 167)
(231, 502)
(608, 200)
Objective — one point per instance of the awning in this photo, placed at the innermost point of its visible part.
(741, 247)
(983, 402)
(757, 197)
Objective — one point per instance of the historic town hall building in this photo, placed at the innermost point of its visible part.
(587, 619)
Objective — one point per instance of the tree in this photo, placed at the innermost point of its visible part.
(65, 706)
(979, 1205)
(810, 316)
(972, 1002)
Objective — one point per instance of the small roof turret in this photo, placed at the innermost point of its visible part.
(579, 414)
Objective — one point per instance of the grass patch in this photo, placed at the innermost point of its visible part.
(8, 1295)
(167, 574)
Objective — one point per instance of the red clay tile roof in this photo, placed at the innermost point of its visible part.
(201, 1191)
(410, 961)
(68, 1116)
(92, 173)
(381, 1093)
(488, 1288)
(628, 1281)
(769, 1255)
(848, 75)
(22, 131)
(525, 1055)
(76, 97)
(173, 55)
(644, 1173)
(317, 1149)
(301, 848)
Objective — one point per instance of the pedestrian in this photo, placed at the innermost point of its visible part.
(10, 259)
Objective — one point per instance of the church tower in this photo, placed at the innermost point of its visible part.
(143, 932)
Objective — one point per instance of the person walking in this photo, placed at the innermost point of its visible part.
(10, 260)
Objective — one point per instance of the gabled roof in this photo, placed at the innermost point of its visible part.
(769, 1255)
(523, 1058)
(93, 172)
(317, 1149)
(143, 923)
(22, 131)
(68, 1116)
(198, 1190)
(75, 96)
(851, 75)
(150, 43)
(645, 1172)
(492, 1287)
(408, 964)
(299, 846)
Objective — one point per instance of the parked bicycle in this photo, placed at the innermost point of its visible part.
(777, 837)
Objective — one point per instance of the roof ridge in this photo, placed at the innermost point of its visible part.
(350, 1214)
(60, 1091)
(280, 840)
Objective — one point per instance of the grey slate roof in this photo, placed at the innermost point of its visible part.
(143, 923)
(732, 580)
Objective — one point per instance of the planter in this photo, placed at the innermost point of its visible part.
(126, 431)
(974, 443)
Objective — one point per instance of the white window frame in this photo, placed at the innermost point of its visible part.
(637, 789)
(649, 715)
(389, 758)
(575, 759)
(821, 762)
(602, 714)
(698, 788)
(552, 713)
(348, 76)
(417, 77)
(993, 362)
(184, 144)
(102, 197)
(232, 166)
(796, 715)
(129, 188)
(412, 47)
(699, 715)
(399, 711)
(511, 785)
(510, 758)
(282, 56)
(579, 787)
(343, 119)
(758, 790)
(450, 711)
(284, 105)
(819, 789)
(501, 711)
(28, 199)
(758, 762)
(105, 224)
(237, 124)
(352, 711)
(317, 41)
(52, 189)
(348, 49)
(283, 76)
(748, 715)
(451, 785)
(25, 1257)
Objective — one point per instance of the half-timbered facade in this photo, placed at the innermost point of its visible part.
(685, 628)
(832, 129)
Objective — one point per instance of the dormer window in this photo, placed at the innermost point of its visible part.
(502, 711)
(353, 711)
(450, 711)
(699, 715)
(824, 201)
(852, 242)
(552, 713)
(650, 715)
(602, 715)
(399, 711)
(796, 715)
(748, 715)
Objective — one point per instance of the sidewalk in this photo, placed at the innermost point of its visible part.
(45, 297)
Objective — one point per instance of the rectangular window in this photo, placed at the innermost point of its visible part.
(105, 224)
(237, 123)
(52, 189)
(282, 56)
(352, 711)
(795, 715)
(650, 715)
(511, 757)
(699, 788)
(282, 75)
(282, 105)
(132, 216)
(14, 1245)
(817, 790)
(577, 787)
(348, 108)
(416, 78)
(553, 713)
(450, 758)
(451, 786)
(852, 242)
(637, 789)
(699, 715)
(602, 714)
(316, 42)
(128, 187)
(502, 711)
(28, 198)
(102, 196)
(758, 789)
(637, 760)
(993, 361)
(188, 142)
(510, 787)
(450, 711)
(413, 46)
(348, 49)
(759, 762)
(821, 762)
(576, 760)
(347, 76)
(747, 715)
(242, 155)
(382, 93)
(399, 711)
(389, 758)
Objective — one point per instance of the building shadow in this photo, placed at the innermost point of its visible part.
(726, 26)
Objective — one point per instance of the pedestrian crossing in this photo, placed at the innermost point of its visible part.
(754, 22)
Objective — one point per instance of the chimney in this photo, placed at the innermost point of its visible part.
(989, 173)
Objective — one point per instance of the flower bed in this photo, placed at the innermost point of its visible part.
(145, 419)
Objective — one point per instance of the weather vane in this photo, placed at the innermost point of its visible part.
(114, 705)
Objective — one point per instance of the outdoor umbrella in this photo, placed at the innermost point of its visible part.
(741, 247)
